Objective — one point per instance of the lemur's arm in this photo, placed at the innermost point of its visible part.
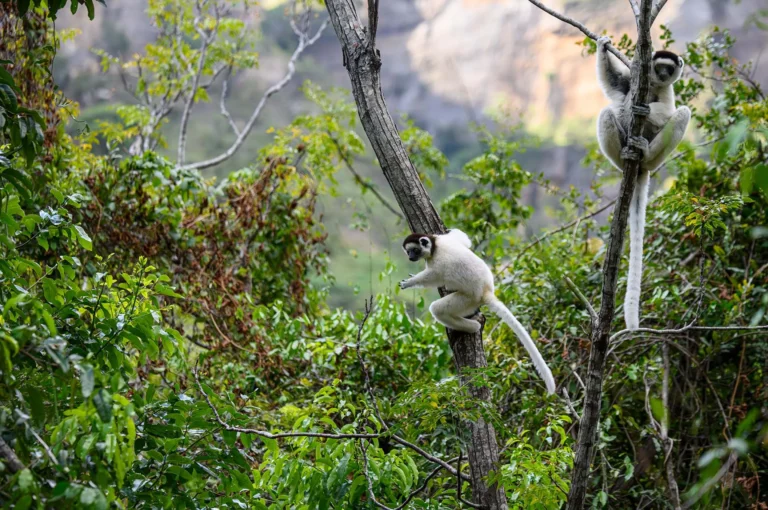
(613, 75)
(427, 278)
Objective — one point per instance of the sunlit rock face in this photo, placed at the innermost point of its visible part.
(485, 54)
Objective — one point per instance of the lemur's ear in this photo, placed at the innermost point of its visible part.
(424, 241)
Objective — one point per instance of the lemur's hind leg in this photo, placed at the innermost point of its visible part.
(610, 136)
(667, 139)
(451, 310)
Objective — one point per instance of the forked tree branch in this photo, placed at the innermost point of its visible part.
(600, 335)
(305, 41)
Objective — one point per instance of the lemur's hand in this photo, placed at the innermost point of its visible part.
(404, 284)
(602, 41)
(640, 143)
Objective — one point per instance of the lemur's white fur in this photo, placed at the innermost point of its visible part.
(663, 131)
(452, 264)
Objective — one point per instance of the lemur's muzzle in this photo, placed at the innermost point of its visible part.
(413, 255)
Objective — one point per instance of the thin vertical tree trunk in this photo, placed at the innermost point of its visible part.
(641, 65)
(363, 64)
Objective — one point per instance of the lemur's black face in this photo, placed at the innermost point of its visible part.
(418, 246)
(667, 67)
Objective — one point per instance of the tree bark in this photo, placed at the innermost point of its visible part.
(9, 458)
(641, 65)
(363, 64)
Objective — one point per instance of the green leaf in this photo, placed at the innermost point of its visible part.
(50, 290)
(8, 98)
(103, 402)
(23, 6)
(36, 405)
(7, 78)
(165, 290)
(83, 238)
(87, 380)
(26, 481)
(89, 6)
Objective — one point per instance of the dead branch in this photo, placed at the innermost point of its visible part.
(305, 41)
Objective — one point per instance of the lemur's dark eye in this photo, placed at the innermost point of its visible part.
(424, 242)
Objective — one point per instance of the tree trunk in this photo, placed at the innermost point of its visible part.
(601, 332)
(363, 64)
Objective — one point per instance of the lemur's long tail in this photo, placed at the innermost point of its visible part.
(505, 315)
(636, 233)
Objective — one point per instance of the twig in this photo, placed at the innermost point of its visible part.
(362, 182)
(223, 103)
(570, 404)
(685, 329)
(583, 299)
(459, 483)
(426, 455)
(269, 435)
(45, 447)
(371, 495)
(581, 27)
(366, 375)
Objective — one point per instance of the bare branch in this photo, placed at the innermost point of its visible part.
(304, 43)
(583, 299)
(223, 103)
(635, 8)
(570, 404)
(373, 21)
(685, 329)
(366, 375)
(580, 26)
(657, 9)
(364, 67)
(207, 39)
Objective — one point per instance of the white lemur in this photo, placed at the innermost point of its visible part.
(452, 264)
(664, 128)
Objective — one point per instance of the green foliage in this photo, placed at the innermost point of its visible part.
(54, 6)
(492, 204)
(195, 44)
